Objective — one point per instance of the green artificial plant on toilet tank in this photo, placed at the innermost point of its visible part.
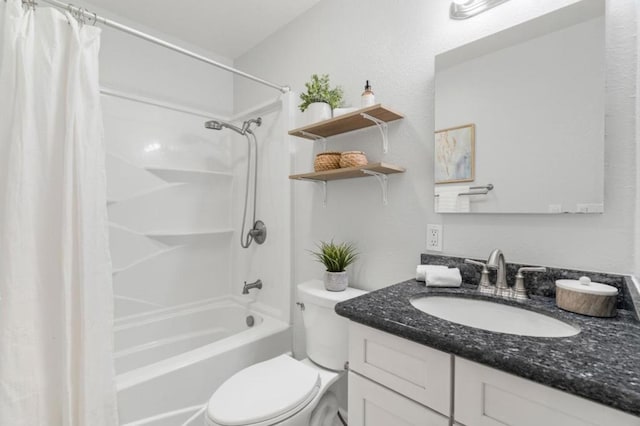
(335, 257)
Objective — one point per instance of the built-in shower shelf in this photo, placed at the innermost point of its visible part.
(376, 115)
(377, 170)
(169, 174)
(183, 236)
(190, 233)
(163, 187)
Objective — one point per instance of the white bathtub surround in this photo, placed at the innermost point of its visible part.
(169, 187)
(271, 261)
(175, 206)
(55, 270)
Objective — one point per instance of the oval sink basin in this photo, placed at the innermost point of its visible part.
(493, 316)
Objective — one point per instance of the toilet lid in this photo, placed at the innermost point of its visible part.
(263, 391)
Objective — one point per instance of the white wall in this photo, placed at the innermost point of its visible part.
(393, 43)
(134, 65)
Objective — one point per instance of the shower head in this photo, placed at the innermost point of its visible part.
(246, 126)
(213, 125)
(219, 125)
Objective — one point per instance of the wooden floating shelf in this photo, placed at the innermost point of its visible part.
(346, 123)
(350, 172)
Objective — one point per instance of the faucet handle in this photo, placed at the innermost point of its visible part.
(485, 285)
(519, 290)
(475, 262)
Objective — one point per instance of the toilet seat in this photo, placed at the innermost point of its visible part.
(249, 398)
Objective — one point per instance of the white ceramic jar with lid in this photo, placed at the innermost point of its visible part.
(586, 297)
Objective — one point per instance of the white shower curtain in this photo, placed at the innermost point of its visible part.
(56, 365)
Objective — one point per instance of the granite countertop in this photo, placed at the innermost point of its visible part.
(601, 363)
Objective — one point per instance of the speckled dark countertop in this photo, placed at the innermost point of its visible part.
(601, 363)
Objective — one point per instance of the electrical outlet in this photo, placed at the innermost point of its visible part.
(434, 237)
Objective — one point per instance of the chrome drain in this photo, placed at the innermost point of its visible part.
(250, 321)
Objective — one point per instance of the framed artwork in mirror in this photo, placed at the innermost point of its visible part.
(454, 155)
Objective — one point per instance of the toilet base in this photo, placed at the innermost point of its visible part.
(325, 412)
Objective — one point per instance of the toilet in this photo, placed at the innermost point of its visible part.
(283, 391)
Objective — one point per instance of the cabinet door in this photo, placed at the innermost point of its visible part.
(488, 397)
(411, 369)
(373, 405)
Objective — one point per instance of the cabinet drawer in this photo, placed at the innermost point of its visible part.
(488, 397)
(411, 369)
(373, 405)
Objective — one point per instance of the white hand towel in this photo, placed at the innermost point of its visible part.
(463, 205)
(448, 199)
(423, 270)
(444, 278)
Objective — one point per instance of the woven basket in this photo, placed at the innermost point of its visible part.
(353, 159)
(326, 161)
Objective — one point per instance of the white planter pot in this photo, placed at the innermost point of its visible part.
(336, 281)
(317, 111)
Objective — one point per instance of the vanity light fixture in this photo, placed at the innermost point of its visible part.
(463, 9)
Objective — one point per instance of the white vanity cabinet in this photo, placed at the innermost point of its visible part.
(371, 404)
(485, 396)
(393, 381)
(397, 382)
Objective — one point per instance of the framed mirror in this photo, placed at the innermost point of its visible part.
(519, 118)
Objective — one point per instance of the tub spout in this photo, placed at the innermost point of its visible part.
(257, 284)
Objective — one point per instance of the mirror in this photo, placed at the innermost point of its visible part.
(519, 118)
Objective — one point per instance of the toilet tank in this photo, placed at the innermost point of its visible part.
(326, 333)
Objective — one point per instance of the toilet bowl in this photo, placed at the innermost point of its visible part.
(283, 391)
(279, 391)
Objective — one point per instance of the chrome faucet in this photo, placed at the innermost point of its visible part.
(496, 261)
(257, 284)
(501, 287)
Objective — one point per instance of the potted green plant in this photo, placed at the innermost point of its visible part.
(320, 99)
(335, 257)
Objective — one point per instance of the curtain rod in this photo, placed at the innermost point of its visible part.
(92, 17)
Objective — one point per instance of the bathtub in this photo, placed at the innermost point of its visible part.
(169, 362)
